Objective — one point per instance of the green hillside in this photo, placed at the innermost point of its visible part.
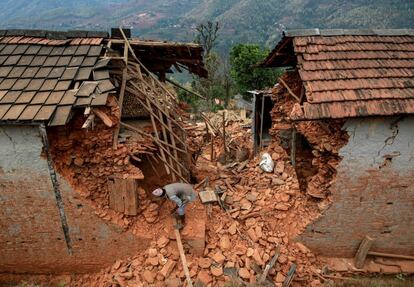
(242, 21)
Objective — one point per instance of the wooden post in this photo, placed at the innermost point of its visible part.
(121, 102)
(224, 133)
(154, 126)
(261, 123)
(290, 275)
(212, 149)
(182, 256)
(293, 148)
(270, 265)
(362, 252)
(56, 188)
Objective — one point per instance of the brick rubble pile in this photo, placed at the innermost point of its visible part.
(85, 158)
(317, 168)
(265, 211)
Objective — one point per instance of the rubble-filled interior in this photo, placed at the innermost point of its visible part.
(317, 143)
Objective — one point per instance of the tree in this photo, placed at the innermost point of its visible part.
(243, 59)
(207, 35)
(218, 85)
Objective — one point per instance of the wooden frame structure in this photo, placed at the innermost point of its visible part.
(167, 122)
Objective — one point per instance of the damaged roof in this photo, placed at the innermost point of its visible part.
(350, 73)
(45, 75)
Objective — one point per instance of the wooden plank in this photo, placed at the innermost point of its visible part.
(104, 117)
(183, 258)
(130, 197)
(123, 196)
(270, 265)
(160, 107)
(115, 197)
(389, 255)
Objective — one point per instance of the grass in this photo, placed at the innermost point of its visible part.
(392, 281)
(377, 282)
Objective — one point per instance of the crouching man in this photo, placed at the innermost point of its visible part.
(181, 194)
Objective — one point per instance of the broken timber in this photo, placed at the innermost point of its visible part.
(182, 256)
(168, 129)
(56, 188)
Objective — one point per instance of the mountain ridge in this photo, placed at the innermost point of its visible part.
(242, 21)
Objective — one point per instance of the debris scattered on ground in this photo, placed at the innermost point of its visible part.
(265, 211)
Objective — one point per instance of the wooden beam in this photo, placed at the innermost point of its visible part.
(154, 127)
(56, 188)
(289, 90)
(261, 123)
(185, 89)
(145, 105)
(270, 265)
(158, 141)
(140, 63)
(104, 117)
(183, 258)
(166, 163)
(89, 122)
(121, 102)
(293, 148)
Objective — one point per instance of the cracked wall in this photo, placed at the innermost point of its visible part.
(31, 237)
(373, 191)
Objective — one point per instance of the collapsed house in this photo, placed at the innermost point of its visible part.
(343, 110)
(86, 121)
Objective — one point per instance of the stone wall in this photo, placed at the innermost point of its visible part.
(31, 237)
(373, 193)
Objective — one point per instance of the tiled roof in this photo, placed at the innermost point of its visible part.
(45, 75)
(351, 73)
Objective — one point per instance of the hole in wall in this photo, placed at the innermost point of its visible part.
(304, 157)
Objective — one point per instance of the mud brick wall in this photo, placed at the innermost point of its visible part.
(31, 237)
(373, 193)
